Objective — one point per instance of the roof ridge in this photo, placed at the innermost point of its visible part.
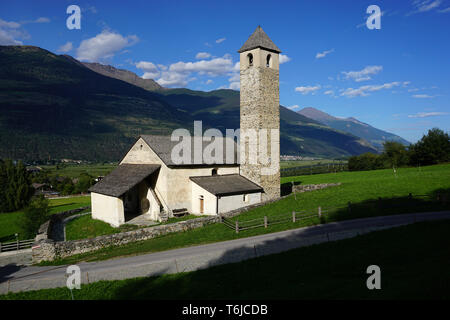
(259, 39)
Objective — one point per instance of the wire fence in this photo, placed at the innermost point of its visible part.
(16, 245)
(322, 215)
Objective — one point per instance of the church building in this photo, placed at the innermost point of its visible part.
(149, 182)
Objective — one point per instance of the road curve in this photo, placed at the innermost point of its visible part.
(14, 278)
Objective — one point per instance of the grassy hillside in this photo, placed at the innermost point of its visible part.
(299, 135)
(334, 270)
(357, 187)
(54, 107)
(351, 125)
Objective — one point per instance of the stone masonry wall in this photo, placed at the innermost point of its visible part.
(310, 187)
(46, 249)
(260, 109)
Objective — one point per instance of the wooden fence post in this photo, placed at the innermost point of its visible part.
(17, 242)
(237, 226)
(320, 212)
(293, 217)
(265, 221)
(0, 247)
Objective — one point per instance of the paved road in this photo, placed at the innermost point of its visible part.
(14, 278)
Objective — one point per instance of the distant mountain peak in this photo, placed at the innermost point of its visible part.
(124, 75)
(375, 136)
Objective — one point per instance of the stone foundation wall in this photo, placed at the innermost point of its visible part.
(311, 187)
(46, 249)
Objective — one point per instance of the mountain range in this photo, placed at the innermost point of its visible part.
(53, 107)
(374, 136)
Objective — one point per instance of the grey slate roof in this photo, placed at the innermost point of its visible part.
(162, 146)
(229, 184)
(259, 39)
(123, 178)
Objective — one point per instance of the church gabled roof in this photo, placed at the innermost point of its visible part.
(123, 178)
(163, 146)
(227, 184)
(259, 39)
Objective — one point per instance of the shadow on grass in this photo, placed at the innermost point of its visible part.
(437, 200)
(286, 188)
(330, 270)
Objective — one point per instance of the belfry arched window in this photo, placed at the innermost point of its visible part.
(250, 59)
(268, 60)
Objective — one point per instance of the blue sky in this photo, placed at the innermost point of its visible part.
(396, 78)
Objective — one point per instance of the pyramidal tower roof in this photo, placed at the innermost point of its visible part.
(259, 39)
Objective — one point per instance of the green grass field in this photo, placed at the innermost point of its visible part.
(9, 221)
(284, 164)
(334, 270)
(356, 187)
(85, 227)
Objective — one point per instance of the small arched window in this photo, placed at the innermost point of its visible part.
(250, 59)
(268, 60)
(214, 172)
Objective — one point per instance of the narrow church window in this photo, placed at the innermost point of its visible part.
(214, 172)
(245, 197)
(250, 59)
(268, 60)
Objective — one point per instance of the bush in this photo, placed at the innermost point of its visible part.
(34, 215)
(16, 190)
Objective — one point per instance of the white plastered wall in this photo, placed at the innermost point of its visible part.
(108, 209)
(209, 200)
(228, 203)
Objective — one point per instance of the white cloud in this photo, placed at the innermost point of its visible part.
(221, 40)
(424, 6)
(329, 92)
(320, 55)
(203, 55)
(172, 79)
(214, 67)
(364, 90)
(7, 38)
(307, 89)
(9, 24)
(65, 47)
(362, 75)
(42, 20)
(284, 58)
(427, 114)
(150, 69)
(445, 10)
(422, 96)
(209, 81)
(294, 107)
(104, 45)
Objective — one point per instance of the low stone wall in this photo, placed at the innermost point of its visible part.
(311, 187)
(46, 249)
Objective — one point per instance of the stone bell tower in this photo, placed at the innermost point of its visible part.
(260, 113)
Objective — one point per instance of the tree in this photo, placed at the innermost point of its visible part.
(365, 161)
(34, 215)
(434, 147)
(16, 190)
(395, 154)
